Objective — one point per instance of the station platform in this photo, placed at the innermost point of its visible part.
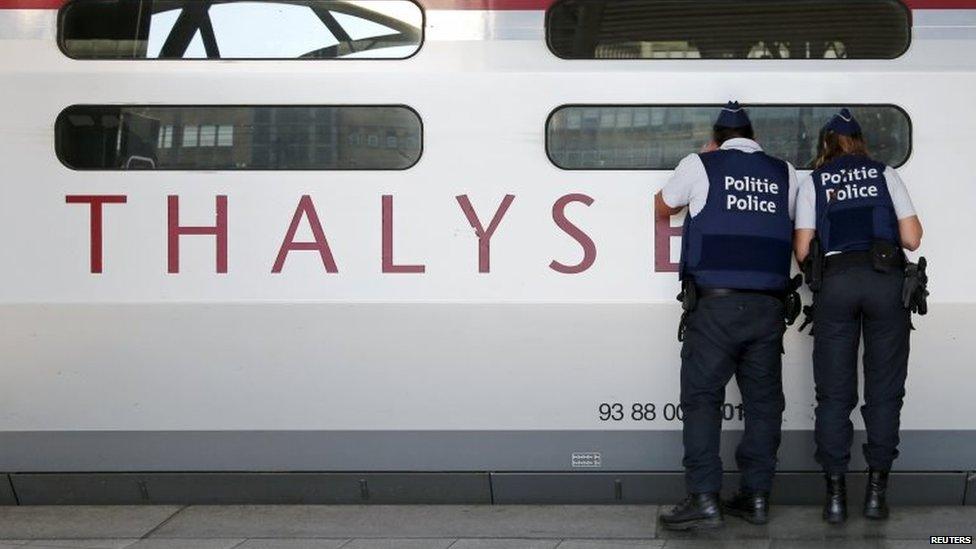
(454, 527)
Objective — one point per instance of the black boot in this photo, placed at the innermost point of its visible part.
(875, 505)
(752, 507)
(835, 509)
(696, 512)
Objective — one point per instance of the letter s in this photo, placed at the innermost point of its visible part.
(589, 248)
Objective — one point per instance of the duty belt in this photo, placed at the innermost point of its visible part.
(789, 297)
(854, 259)
(711, 292)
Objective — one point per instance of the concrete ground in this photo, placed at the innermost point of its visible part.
(456, 527)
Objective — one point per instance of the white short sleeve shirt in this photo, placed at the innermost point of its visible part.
(688, 185)
(806, 210)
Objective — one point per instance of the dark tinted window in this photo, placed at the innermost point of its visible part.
(240, 29)
(238, 138)
(728, 29)
(657, 137)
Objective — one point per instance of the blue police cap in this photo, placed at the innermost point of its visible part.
(733, 116)
(843, 123)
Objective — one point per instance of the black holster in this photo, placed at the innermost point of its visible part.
(808, 313)
(689, 301)
(813, 265)
(915, 292)
(813, 268)
(792, 304)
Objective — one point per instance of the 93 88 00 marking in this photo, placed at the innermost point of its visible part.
(649, 411)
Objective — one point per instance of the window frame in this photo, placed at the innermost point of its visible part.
(59, 38)
(717, 107)
(908, 45)
(58, 148)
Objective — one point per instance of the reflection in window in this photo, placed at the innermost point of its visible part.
(191, 136)
(161, 26)
(208, 136)
(724, 29)
(165, 137)
(238, 138)
(658, 137)
(244, 29)
(225, 135)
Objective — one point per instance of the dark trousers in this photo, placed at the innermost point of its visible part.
(740, 335)
(854, 300)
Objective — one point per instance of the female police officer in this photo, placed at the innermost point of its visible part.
(861, 215)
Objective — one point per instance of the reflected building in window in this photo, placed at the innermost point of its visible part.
(725, 29)
(658, 137)
(240, 138)
(255, 29)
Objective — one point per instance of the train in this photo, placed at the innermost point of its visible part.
(387, 237)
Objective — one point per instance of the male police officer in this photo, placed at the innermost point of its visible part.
(736, 256)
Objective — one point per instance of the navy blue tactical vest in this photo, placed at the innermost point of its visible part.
(742, 238)
(854, 207)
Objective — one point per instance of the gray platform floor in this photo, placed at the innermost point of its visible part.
(455, 527)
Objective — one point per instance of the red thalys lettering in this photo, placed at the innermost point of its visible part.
(306, 212)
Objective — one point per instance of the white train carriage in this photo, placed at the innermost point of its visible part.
(378, 236)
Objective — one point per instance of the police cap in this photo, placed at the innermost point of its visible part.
(843, 123)
(733, 116)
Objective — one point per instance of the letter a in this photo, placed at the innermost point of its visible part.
(306, 208)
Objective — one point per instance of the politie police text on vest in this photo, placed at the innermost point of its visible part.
(849, 179)
(753, 188)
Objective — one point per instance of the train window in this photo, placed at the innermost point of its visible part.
(721, 29)
(237, 138)
(241, 29)
(657, 137)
